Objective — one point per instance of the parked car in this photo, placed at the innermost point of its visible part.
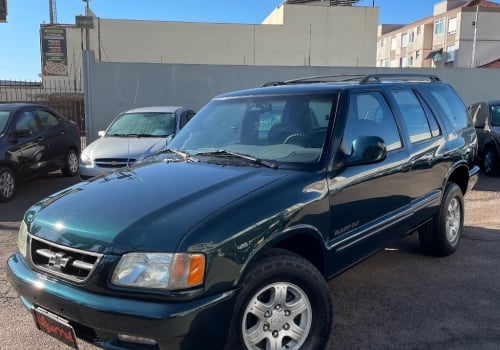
(486, 116)
(34, 140)
(227, 238)
(132, 136)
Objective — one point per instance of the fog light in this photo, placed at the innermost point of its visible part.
(134, 339)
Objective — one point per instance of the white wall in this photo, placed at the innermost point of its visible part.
(292, 35)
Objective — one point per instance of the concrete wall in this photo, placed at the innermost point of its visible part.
(114, 87)
(292, 35)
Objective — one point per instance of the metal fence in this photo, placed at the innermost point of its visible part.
(64, 97)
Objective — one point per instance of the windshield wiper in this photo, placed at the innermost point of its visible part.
(184, 155)
(254, 160)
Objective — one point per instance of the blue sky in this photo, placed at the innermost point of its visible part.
(20, 43)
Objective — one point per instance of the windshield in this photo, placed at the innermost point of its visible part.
(143, 124)
(284, 128)
(4, 117)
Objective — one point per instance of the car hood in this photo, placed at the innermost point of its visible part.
(151, 205)
(124, 147)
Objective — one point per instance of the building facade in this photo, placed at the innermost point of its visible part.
(307, 34)
(458, 34)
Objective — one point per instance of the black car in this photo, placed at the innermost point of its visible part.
(34, 140)
(226, 239)
(486, 116)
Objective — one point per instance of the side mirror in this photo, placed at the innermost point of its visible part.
(367, 150)
(101, 133)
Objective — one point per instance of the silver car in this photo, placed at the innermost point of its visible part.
(132, 136)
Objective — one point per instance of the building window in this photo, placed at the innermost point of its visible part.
(411, 37)
(393, 44)
(452, 25)
(410, 61)
(404, 62)
(450, 53)
(382, 42)
(404, 40)
(385, 63)
(419, 30)
(439, 26)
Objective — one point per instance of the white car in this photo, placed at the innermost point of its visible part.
(132, 136)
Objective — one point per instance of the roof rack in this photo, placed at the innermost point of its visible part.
(318, 79)
(361, 78)
(378, 78)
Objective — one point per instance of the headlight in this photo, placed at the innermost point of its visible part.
(85, 159)
(22, 238)
(160, 270)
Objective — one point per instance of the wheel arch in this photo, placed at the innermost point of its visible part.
(460, 176)
(303, 241)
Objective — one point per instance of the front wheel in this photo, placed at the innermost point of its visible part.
(7, 184)
(440, 236)
(283, 303)
(71, 164)
(491, 162)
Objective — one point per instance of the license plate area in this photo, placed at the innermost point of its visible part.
(55, 326)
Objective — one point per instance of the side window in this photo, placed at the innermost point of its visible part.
(369, 115)
(480, 115)
(48, 119)
(448, 105)
(413, 114)
(186, 117)
(27, 122)
(495, 115)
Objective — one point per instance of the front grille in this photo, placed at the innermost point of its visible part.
(113, 162)
(72, 264)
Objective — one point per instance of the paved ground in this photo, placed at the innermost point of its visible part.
(397, 299)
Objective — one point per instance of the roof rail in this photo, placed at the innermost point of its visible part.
(378, 78)
(318, 79)
(361, 78)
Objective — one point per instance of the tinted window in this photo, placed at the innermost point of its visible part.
(48, 119)
(479, 114)
(369, 115)
(27, 121)
(4, 117)
(495, 115)
(413, 114)
(449, 105)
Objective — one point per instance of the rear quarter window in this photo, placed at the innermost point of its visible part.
(446, 103)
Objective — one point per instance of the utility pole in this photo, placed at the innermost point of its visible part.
(473, 58)
(52, 12)
(87, 32)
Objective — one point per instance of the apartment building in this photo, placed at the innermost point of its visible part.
(458, 34)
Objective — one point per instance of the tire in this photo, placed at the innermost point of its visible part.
(440, 236)
(490, 162)
(283, 303)
(71, 165)
(7, 184)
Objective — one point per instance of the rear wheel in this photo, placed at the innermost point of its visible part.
(71, 165)
(440, 236)
(7, 184)
(283, 304)
(491, 162)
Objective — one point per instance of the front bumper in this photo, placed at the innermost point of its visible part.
(98, 319)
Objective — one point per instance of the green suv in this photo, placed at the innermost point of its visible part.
(226, 239)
